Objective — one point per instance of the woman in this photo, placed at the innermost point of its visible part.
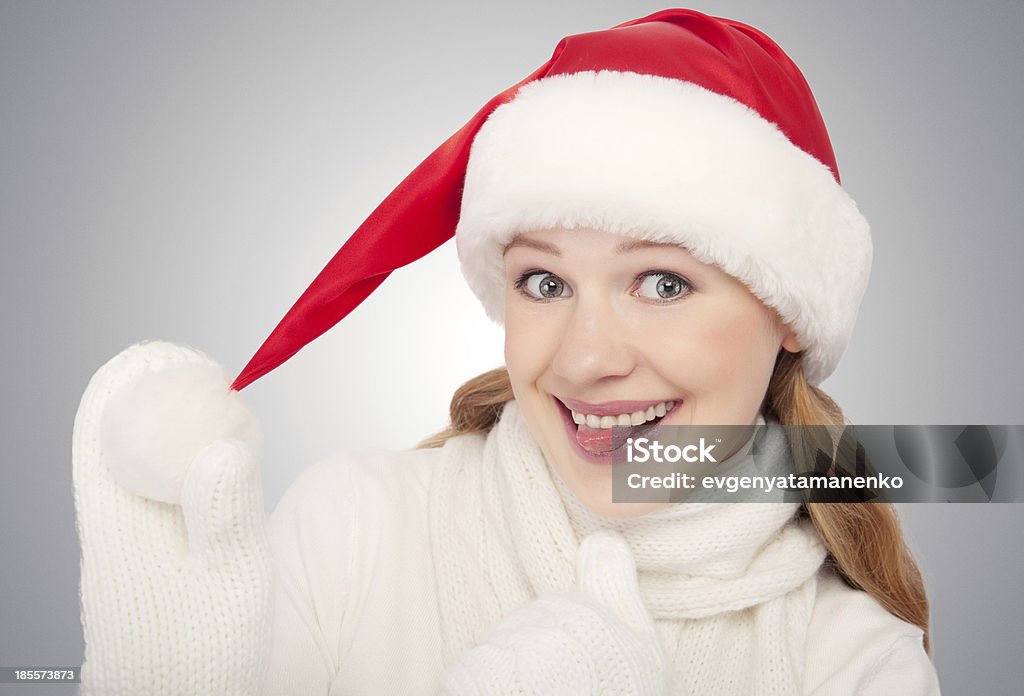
(656, 215)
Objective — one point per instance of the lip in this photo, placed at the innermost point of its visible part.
(605, 409)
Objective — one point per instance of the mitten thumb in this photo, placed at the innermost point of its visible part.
(606, 571)
(222, 503)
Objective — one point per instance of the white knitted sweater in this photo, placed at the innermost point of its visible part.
(388, 568)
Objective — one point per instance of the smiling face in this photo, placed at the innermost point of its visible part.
(602, 329)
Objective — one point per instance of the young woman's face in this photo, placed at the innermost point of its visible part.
(599, 326)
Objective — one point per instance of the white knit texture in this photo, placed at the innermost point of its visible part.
(175, 599)
(727, 584)
(597, 640)
(669, 161)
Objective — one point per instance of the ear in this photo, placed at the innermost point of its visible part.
(790, 342)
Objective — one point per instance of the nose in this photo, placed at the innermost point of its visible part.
(596, 344)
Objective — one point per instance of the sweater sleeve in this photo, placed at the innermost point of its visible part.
(311, 541)
(856, 647)
(904, 669)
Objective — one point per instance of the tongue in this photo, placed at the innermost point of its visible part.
(603, 440)
(595, 440)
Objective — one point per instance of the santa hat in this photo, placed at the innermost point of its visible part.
(677, 127)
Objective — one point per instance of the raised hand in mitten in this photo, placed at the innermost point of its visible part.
(597, 640)
(176, 576)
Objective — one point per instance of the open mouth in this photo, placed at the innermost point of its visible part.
(597, 431)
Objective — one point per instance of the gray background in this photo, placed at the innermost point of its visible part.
(183, 171)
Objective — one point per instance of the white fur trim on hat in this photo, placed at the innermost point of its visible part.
(669, 161)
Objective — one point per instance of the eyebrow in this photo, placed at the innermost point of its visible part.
(635, 244)
(623, 247)
(533, 244)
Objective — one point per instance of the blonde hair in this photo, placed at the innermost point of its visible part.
(864, 540)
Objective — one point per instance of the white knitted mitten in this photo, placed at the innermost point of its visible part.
(597, 640)
(176, 599)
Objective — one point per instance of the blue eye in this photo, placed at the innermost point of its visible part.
(541, 285)
(662, 286)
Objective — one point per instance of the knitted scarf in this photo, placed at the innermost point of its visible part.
(729, 585)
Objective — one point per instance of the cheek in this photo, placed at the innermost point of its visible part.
(528, 339)
(743, 340)
(722, 351)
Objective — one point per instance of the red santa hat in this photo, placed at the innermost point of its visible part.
(677, 127)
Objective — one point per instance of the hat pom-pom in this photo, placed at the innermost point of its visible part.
(154, 427)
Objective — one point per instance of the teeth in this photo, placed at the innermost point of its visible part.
(623, 419)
